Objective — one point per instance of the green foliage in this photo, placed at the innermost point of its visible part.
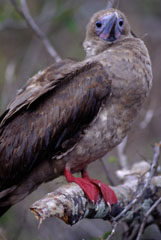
(68, 20)
(112, 159)
(104, 237)
(8, 11)
(7, 218)
(65, 16)
(3, 15)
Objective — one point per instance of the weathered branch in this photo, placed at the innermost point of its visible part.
(70, 204)
(24, 12)
(146, 183)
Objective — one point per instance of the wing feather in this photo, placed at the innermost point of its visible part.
(36, 86)
(52, 123)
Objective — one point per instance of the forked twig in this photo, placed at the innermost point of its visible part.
(24, 12)
(147, 182)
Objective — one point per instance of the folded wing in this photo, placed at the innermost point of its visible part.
(47, 120)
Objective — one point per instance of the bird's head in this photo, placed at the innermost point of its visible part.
(105, 28)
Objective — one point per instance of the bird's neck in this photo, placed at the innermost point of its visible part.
(93, 48)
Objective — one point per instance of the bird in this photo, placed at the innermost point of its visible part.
(74, 112)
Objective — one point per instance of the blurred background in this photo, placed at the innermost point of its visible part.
(22, 55)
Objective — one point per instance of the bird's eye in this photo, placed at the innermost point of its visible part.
(121, 22)
(98, 24)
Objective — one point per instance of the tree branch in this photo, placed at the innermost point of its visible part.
(24, 12)
(147, 181)
(114, 226)
(70, 204)
(146, 217)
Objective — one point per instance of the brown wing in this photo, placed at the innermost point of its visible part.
(52, 123)
(36, 86)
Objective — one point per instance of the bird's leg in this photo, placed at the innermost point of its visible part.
(92, 187)
(84, 173)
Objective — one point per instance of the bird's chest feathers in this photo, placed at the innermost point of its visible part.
(109, 127)
(130, 85)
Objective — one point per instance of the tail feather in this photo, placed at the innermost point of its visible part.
(17, 193)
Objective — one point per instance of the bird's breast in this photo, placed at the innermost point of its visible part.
(129, 69)
(106, 131)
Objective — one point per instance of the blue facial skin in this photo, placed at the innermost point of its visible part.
(110, 27)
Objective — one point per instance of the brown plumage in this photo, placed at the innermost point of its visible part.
(73, 113)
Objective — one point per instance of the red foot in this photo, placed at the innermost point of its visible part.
(91, 190)
(108, 194)
(92, 187)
